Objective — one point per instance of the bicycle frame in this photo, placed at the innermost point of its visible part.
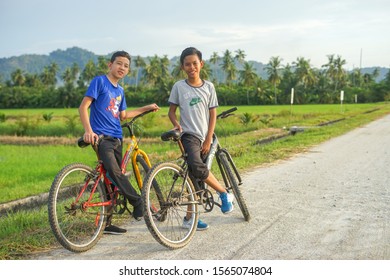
(215, 151)
(174, 221)
(132, 151)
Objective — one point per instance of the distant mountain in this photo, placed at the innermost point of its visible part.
(33, 63)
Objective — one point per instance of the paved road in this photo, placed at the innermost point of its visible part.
(330, 203)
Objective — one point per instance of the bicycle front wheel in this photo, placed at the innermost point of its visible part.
(164, 211)
(76, 226)
(231, 183)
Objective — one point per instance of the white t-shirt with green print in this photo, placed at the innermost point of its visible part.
(194, 104)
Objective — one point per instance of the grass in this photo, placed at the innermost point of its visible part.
(28, 170)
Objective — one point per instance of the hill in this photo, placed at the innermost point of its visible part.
(33, 63)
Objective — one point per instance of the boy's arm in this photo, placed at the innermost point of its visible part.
(132, 113)
(210, 131)
(89, 136)
(173, 118)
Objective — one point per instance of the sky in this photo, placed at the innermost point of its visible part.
(356, 30)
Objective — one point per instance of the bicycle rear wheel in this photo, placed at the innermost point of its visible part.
(231, 183)
(164, 213)
(76, 227)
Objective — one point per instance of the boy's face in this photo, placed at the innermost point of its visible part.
(192, 66)
(120, 67)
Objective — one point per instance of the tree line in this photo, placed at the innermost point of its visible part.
(235, 79)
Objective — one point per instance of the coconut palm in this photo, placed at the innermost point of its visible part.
(177, 72)
(334, 70)
(48, 76)
(248, 77)
(139, 64)
(273, 69)
(18, 78)
(305, 74)
(240, 56)
(205, 72)
(214, 60)
(229, 67)
(88, 73)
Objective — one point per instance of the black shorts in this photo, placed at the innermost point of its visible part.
(193, 147)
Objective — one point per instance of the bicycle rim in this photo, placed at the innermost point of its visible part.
(76, 228)
(165, 209)
(232, 184)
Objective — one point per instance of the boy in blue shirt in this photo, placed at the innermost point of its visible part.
(106, 100)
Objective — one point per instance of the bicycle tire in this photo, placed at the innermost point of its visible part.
(232, 184)
(140, 160)
(76, 228)
(165, 223)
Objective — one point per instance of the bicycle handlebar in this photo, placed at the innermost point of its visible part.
(227, 113)
(136, 117)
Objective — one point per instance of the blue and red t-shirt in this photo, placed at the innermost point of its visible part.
(108, 102)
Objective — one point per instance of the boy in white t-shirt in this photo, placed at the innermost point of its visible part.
(197, 102)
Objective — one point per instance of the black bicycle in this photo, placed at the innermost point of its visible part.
(181, 194)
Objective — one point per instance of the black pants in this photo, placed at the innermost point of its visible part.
(193, 147)
(110, 152)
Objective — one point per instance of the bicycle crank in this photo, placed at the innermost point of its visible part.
(207, 200)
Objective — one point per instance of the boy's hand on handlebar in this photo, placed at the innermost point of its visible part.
(177, 127)
(90, 137)
(153, 107)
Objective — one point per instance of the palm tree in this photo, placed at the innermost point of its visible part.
(205, 72)
(18, 77)
(33, 81)
(177, 71)
(151, 71)
(88, 73)
(340, 73)
(248, 77)
(304, 73)
(139, 64)
(156, 73)
(356, 77)
(214, 60)
(375, 73)
(334, 70)
(240, 56)
(70, 74)
(102, 66)
(229, 67)
(273, 69)
(67, 76)
(48, 76)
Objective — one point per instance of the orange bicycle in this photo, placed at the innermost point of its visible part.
(81, 198)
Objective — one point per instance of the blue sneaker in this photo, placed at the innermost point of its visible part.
(201, 225)
(227, 202)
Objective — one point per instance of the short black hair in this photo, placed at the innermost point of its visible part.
(190, 51)
(122, 54)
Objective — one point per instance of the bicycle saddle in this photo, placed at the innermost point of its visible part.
(173, 135)
(81, 143)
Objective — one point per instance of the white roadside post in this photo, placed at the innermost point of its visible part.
(291, 103)
(292, 99)
(341, 100)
